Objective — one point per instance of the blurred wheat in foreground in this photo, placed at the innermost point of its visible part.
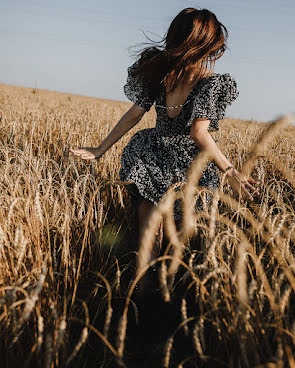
(69, 274)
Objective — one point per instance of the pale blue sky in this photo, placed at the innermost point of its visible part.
(81, 47)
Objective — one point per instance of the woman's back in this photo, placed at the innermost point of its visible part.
(177, 97)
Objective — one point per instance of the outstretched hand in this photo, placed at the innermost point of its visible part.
(242, 184)
(86, 153)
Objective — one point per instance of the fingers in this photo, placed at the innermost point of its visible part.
(82, 153)
(76, 151)
(250, 186)
(87, 156)
(243, 185)
(247, 193)
(252, 181)
(255, 190)
(256, 193)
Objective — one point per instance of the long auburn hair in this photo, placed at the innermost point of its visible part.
(194, 37)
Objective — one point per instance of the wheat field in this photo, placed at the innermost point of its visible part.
(71, 263)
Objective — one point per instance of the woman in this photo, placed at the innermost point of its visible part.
(189, 97)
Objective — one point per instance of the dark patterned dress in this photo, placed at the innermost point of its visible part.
(156, 158)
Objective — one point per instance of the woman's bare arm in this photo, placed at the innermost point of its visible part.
(239, 182)
(127, 121)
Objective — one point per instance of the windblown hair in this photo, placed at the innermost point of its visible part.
(194, 38)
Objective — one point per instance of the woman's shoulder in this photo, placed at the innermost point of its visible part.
(219, 78)
(219, 84)
(228, 90)
(216, 89)
(136, 88)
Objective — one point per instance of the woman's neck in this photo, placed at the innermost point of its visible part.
(190, 79)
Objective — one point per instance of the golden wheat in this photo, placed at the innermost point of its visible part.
(55, 209)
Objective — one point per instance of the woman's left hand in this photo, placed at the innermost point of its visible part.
(86, 153)
(242, 184)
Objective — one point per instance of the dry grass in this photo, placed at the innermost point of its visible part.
(62, 219)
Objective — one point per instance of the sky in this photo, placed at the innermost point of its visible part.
(83, 47)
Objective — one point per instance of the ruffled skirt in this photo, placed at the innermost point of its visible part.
(154, 162)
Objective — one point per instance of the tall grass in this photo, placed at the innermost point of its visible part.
(64, 222)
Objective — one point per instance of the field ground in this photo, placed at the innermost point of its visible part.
(220, 295)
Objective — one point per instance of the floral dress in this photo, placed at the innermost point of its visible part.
(155, 158)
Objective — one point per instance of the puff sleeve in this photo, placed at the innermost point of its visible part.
(136, 90)
(218, 92)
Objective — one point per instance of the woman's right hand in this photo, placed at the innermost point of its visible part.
(242, 184)
(86, 153)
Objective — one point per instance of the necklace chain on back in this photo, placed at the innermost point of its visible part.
(171, 107)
